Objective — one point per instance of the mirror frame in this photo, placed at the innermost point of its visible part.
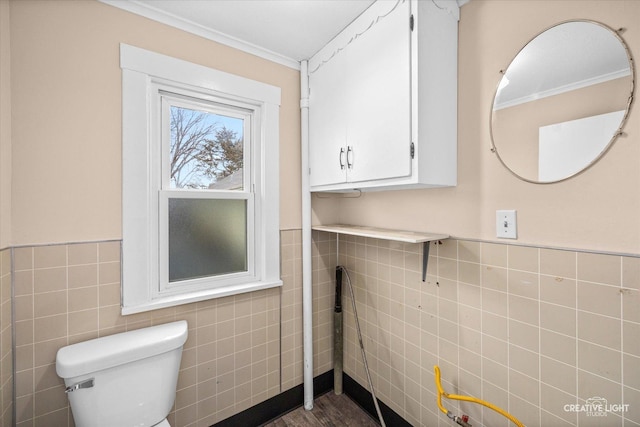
(616, 134)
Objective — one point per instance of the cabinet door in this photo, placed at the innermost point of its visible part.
(379, 95)
(327, 122)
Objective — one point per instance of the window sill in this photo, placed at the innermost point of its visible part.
(174, 300)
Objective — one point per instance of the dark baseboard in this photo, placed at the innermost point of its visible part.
(362, 397)
(293, 398)
(278, 405)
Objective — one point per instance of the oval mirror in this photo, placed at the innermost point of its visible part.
(562, 101)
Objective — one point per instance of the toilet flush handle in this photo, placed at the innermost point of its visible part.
(82, 384)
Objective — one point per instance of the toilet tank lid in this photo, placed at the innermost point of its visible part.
(113, 350)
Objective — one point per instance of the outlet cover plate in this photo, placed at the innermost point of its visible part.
(506, 224)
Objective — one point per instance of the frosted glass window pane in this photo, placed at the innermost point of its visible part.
(207, 237)
(206, 150)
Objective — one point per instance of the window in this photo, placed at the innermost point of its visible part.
(200, 183)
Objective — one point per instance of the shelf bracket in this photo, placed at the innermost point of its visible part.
(385, 234)
(425, 259)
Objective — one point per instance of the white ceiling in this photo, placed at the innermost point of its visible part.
(285, 31)
(288, 31)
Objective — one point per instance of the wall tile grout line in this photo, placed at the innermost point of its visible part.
(461, 324)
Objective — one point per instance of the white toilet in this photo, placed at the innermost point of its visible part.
(126, 379)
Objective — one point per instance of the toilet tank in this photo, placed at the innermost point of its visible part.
(125, 380)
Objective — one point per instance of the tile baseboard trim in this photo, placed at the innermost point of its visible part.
(279, 405)
(362, 397)
(293, 398)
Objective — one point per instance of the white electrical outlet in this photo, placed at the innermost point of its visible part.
(506, 225)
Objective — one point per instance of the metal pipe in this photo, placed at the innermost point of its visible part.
(337, 335)
(307, 289)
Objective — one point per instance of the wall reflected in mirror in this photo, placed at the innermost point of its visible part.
(562, 101)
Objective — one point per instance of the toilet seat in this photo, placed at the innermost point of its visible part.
(163, 423)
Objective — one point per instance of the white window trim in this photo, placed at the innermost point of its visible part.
(140, 70)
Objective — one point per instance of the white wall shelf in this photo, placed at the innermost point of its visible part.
(381, 233)
(387, 234)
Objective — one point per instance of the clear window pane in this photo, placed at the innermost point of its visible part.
(206, 150)
(207, 237)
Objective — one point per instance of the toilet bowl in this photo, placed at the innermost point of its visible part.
(125, 380)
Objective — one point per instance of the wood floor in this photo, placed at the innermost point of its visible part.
(328, 410)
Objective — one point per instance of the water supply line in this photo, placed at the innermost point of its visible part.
(364, 355)
(461, 421)
(307, 288)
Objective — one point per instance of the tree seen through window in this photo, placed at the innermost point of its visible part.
(206, 150)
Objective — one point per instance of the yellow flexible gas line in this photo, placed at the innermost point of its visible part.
(441, 393)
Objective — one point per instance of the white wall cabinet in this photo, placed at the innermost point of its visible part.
(383, 100)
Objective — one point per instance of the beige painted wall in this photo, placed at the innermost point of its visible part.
(66, 110)
(5, 126)
(598, 210)
(66, 132)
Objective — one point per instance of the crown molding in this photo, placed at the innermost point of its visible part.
(157, 15)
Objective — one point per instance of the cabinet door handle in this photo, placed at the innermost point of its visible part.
(349, 155)
(341, 158)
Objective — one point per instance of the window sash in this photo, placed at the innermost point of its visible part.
(210, 282)
(183, 98)
(195, 101)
